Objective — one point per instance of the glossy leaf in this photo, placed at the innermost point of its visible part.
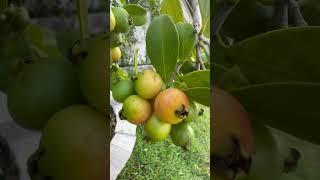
(173, 9)
(186, 39)
(197, 86)
(138, 14)
(205, 16)
(163, 45)
(290, 107)
(248, 18)
(278, 56)
(197, 79)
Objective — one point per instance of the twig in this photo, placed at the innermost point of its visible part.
(296, 14)
(196, 24)
(205, 40)
(280, 14)
(206, 50)
(175, 72)
(221, 16)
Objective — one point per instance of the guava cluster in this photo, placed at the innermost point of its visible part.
(119, 23)
(162, 111)
(63, 98)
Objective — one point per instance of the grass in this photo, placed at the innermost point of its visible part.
(164, 160)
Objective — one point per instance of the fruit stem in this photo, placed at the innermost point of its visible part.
(222, 14)
(82, 11)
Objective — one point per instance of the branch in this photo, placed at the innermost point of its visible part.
(205, 40)
(280, 14)
(295, 12)
(206, 50)
(222, 15)
(196, 24)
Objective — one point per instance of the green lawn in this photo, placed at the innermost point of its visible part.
(164, 160)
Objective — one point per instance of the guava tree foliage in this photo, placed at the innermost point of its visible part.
(265, 55)
(164, 98)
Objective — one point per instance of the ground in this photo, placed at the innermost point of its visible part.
(164, 160)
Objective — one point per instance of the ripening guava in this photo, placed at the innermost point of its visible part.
(115, 54)
(135, 109)
(155, 129)
(41, 89)
(182, 135)
(73, 146)
(112, 21)
(122, 19)
(92, 70)
(171, 106)
(122, 89)
(148, 84)
(115, 39)
(233, 143)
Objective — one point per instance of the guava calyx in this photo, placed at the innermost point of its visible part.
(235, 162)
(182, 112)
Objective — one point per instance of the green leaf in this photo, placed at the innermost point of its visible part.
(186, 39)
(291, 107)
(277, 56)
(197, 86)
(198, 94)
(138, 14)
(173, 9)
(163, 45)
(256, 16)
(42, 42)
(197, 79)
(205, 16)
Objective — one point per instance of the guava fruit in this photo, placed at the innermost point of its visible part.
(73, 146)
(233, 142)
(115, 54)
(171, 106)
(148, 84)
(112, 21)
(122, 89)
(122, 19)
(39, 90)
(92, 70)
(182, 135)
(155, 129)
(135, 109)
(115, 39)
